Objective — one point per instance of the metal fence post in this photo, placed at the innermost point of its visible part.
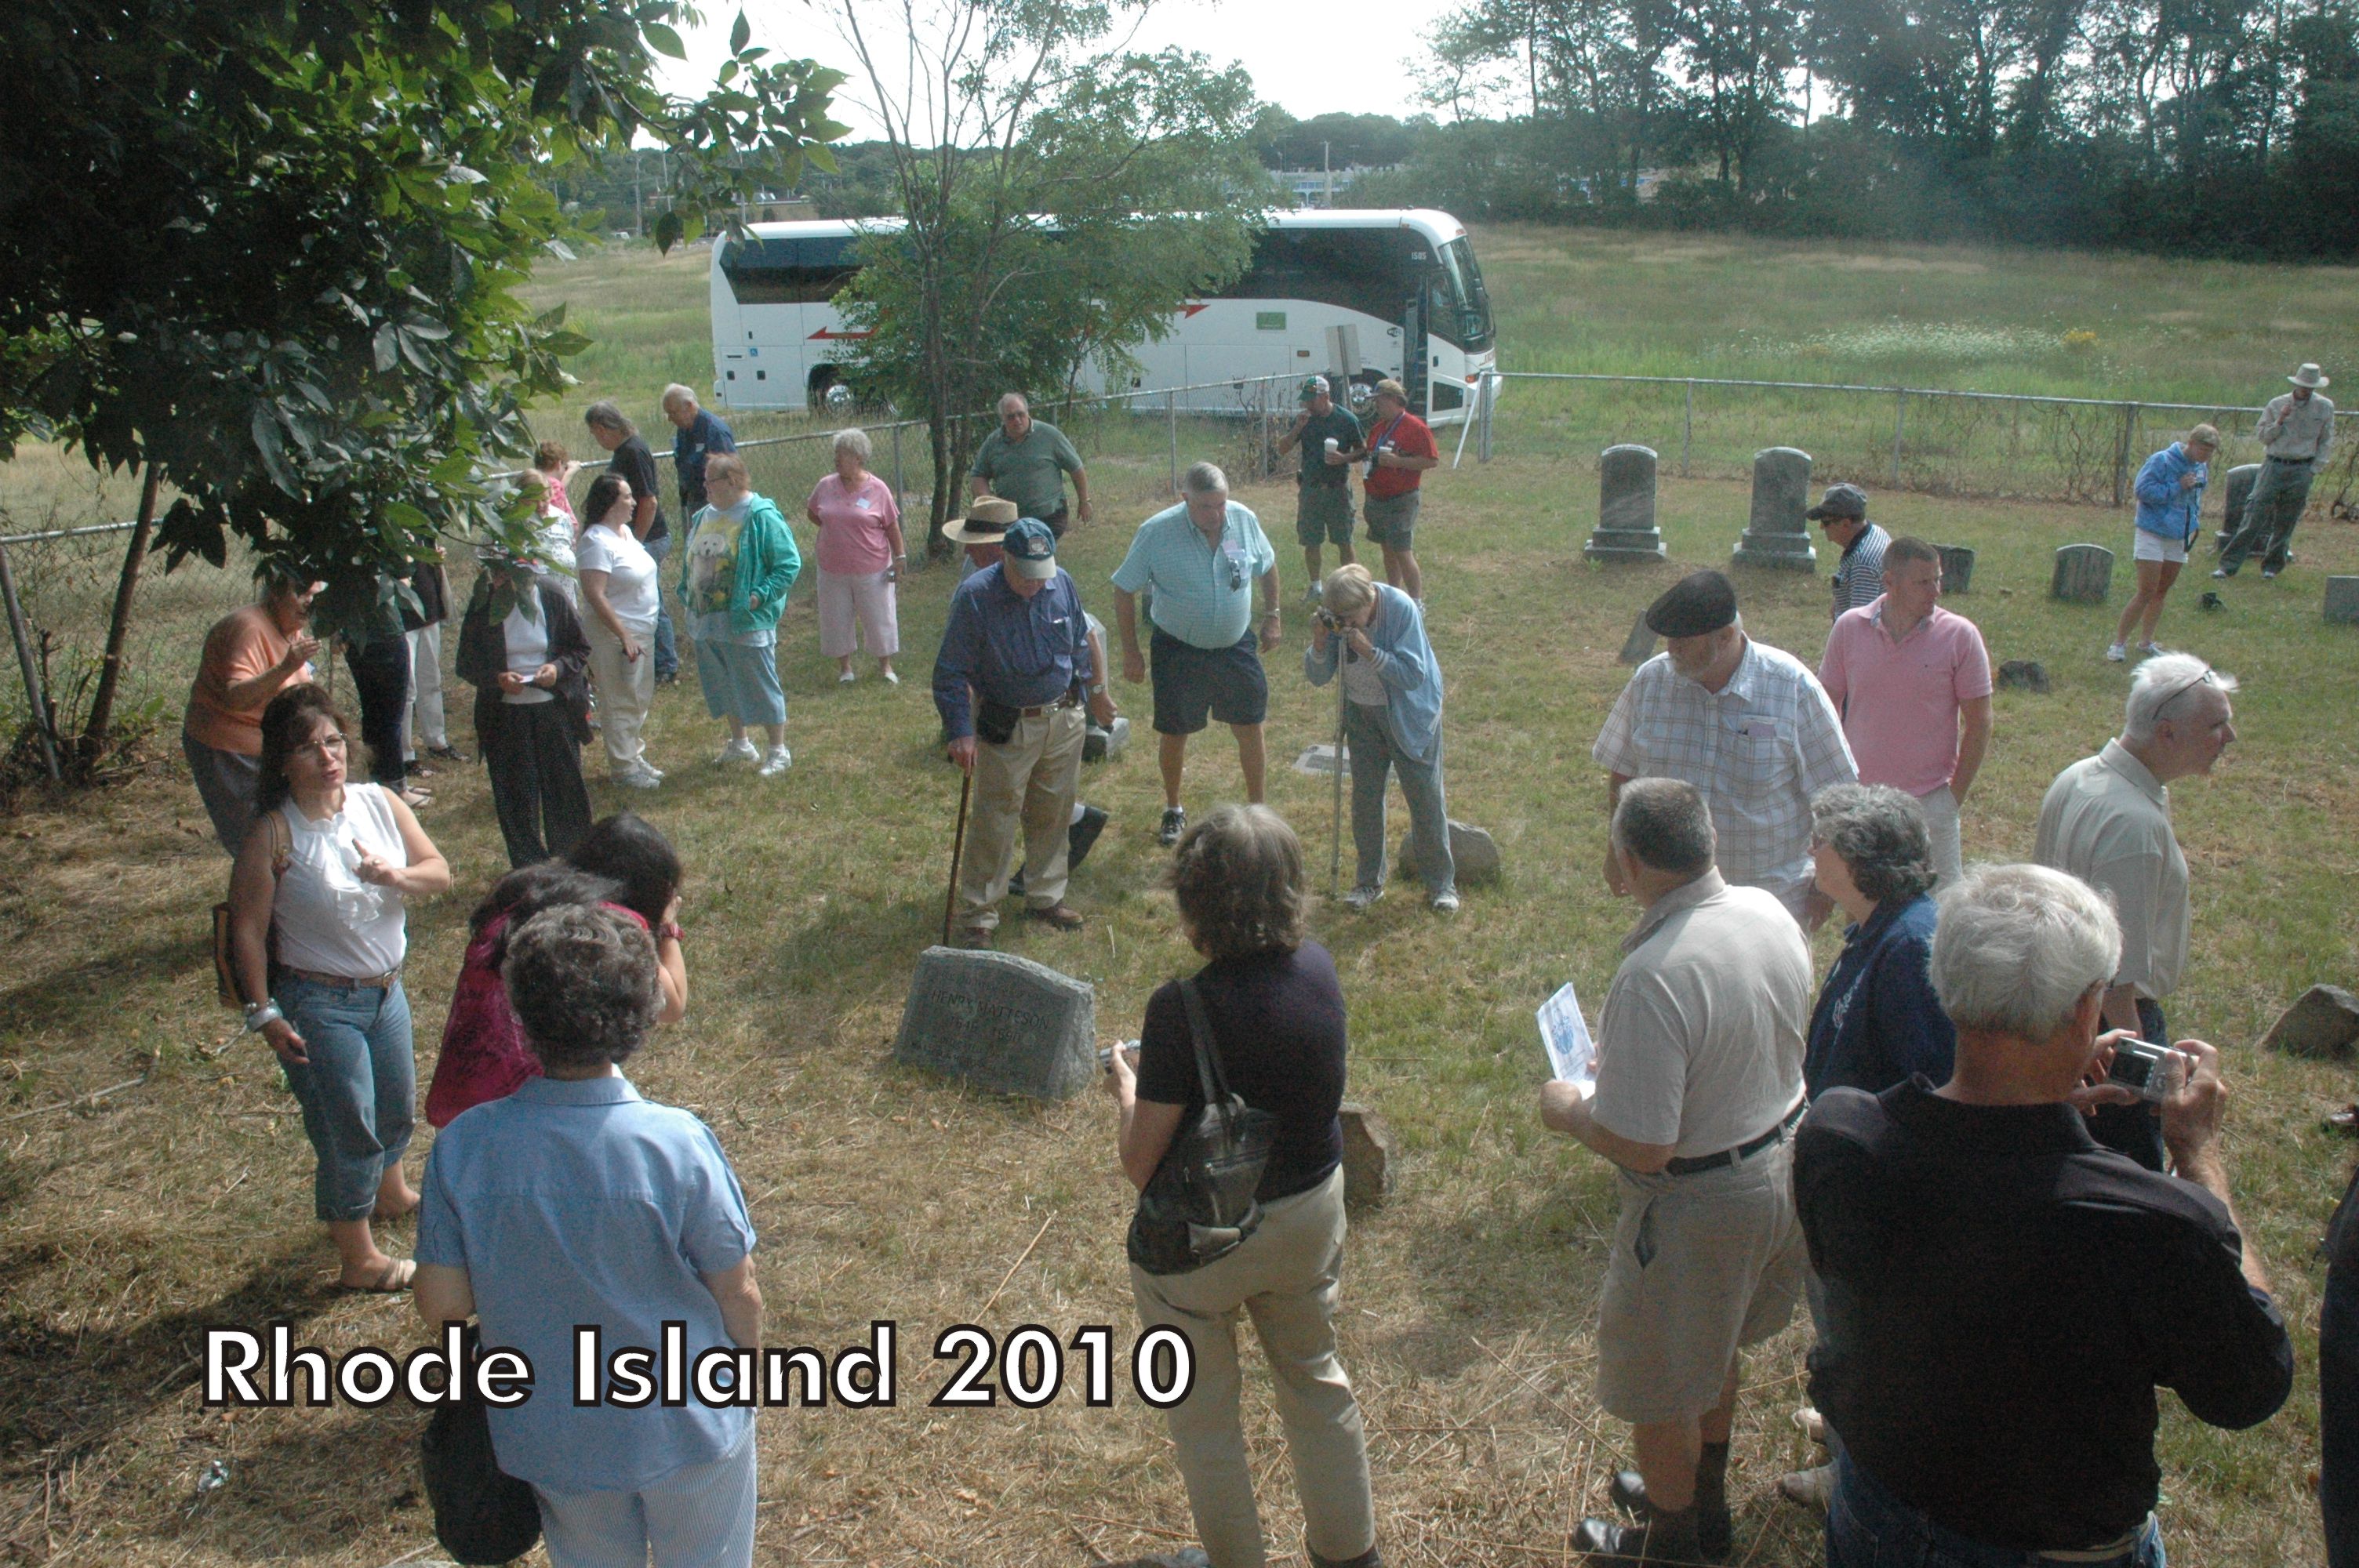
(2122, 451)
(899, 488)
(1686, 431)
(36, 700)
(1490, 393)
(1171, 407)
(1900, 424)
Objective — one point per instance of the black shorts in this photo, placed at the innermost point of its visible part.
(1190, 681)
(1059, 519)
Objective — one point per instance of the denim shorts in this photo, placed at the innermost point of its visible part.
(740, 682)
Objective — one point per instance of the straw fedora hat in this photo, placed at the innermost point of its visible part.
(987, 522)
(2308, 376)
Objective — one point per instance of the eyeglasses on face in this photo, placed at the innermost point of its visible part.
(326, 746)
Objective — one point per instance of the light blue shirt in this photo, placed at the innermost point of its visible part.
(1403, 661)
(1203, 594)
(2164, 506)
(581, 1203)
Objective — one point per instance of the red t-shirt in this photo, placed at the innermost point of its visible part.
(1409, 436)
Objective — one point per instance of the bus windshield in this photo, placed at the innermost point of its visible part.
(1470, 303)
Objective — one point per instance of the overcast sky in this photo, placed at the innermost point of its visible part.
(1308, 59)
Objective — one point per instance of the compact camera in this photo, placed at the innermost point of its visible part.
(1130, 1048)
(1326, 617)
(2147, 1068)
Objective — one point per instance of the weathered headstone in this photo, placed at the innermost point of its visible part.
(2022, 674)
(1104, 745)
(2322, 1021)
(1001, 1022)
(1641, 645)
(1778, 534)
(1625, 507)
(1473, 853)
(2235, 489)
(2084, 574)
(1319, 761)
(2342, 600)
(1957, 568)
(1367, 1156)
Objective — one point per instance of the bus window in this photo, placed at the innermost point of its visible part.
(1462, 313)
(789, 272)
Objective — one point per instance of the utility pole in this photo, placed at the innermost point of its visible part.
(638, 216)
(1327, 167)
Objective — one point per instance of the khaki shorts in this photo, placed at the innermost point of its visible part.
(1702, 1265)
(1322, 514)
(1391, 519)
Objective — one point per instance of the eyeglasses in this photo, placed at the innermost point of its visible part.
(2182, 689)
(327, 746)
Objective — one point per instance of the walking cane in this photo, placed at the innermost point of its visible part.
(1335, 866)
(958, 851)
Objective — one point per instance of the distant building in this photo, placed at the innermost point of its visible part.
(1321, 187)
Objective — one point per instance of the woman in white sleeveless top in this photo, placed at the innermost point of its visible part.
(317, 908)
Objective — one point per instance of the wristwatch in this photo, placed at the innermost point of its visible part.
(261, 1015)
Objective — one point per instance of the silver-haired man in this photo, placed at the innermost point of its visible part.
(2005, 1295)
(1699, 1082)
(2106, 819)
(1027, 461)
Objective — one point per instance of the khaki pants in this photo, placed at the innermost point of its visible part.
(1287, 1276)
(626, 690)
(1942, 826)
(1032, 780)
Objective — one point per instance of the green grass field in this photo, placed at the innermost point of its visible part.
(127, 1228)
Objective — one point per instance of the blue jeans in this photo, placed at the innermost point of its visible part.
(359, 1091)
(1376, 751)
(667, 641)
(1867, 1527)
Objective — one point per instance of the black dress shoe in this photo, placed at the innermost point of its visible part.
(1716, 1529)
(1661, 1538)
(447, 753)
(1082, 834)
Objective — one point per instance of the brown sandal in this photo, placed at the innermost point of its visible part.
(391, 1282)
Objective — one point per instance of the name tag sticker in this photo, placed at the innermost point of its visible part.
(865, 503)
(1761, 728)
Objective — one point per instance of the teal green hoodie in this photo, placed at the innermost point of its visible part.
(766, 564)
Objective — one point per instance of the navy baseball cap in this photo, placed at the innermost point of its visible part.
(1840, 501)
(1031, 548)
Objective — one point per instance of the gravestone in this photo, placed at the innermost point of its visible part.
(1104, 745)
(1641, 645)
(2022, 674)
(1319, 761)
(1778, 534)
(1474, 854)
(1625, 507)
(2084, 573)
(2235, 489)
(2342, 600)
(1957, 568)
(1367, 1156)
(2322, 1021)
(1000, 1022)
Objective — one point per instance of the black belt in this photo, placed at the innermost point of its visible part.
(2294, 462)
(1689, 1167)
(1068, 700)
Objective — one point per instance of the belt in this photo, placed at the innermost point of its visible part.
(2295, 462)
(1068, 700)
(386, 981)
(1691, 1167)
(2112, 1552)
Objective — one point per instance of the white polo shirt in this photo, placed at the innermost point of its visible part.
(2107, 821)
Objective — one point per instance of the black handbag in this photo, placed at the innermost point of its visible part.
(1200, 1204)
(482, 1514)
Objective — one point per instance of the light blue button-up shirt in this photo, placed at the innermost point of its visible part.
(1203, 594)
(1403, 661)
(579, 1202)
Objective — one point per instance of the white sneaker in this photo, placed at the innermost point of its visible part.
(845, 677)
(2117, 652)
(1445, 904)
(892, 677)
(778, 762)
(738, 751)
(1359, 898)
(638, 778)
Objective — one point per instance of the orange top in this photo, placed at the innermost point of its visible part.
(243, 644)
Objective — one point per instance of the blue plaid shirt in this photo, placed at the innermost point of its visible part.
(1025, 653)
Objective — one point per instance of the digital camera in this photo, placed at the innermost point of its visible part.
(2145, 1068)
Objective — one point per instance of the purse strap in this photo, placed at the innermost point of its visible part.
(1208, 1057)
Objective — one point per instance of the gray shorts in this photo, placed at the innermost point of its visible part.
(227, 782)
(1702, 1265)
(1392, 519)
(1322, 514)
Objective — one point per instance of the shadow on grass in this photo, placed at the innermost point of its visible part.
(90, 993)
(68, 1391)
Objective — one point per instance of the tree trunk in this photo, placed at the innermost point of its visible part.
(118, 627)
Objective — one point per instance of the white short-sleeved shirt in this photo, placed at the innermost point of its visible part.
(326, 919)
(2107, 821)
(1758, 749)
(1699, 1042)
(631, 586)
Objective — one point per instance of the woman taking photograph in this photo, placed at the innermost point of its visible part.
(251, 655)
(571, 1203)
(625, 864)
(1276, 1013)
(620, 591)
(521, 648)
(860, 555)
(740, 561)
(2169, 514)
(325, 876)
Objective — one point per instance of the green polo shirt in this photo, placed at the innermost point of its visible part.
(1030, 472)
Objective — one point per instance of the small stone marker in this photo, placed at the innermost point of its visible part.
(2236, 490)
(1779, 535)
(2342, 600)
(2084, 574)
(2022, 674)
(1000, 1022)
(1320, 761)
(1104, 745)
(1367, 1156)
(2322, 1021)
(1641, 645)
(1625, 507)
(1957, 568)
(1473, 852)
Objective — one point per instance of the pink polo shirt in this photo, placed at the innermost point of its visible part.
(854, 525)
(1899, 700)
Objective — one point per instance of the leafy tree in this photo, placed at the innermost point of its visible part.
(265, 254)
(1057, 205)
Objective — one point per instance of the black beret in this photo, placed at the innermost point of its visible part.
(1698, 602)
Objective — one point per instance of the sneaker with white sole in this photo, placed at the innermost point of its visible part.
(892, 677)
(1174, 824)
(845, 677)
(778, 762)
(738, 751)
(1361, 897)
(1445, 904)
(638, 778)
(2117, 652)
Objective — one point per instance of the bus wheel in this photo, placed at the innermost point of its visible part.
(826, 391)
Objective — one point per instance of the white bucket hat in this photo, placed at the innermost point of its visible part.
(2308, 376)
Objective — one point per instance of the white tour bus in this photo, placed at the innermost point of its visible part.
(1404, 279)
